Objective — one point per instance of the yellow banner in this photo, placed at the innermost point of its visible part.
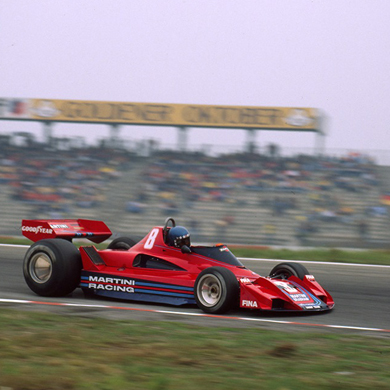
(189, 115)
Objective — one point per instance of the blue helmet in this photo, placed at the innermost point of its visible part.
(178, 236)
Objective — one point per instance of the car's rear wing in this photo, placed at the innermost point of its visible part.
(38, 229)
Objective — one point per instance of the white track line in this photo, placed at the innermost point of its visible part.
(222, 317)
(15, 245)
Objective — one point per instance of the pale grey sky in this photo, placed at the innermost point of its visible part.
(330, 54)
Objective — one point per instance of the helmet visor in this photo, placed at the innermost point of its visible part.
(183, 240)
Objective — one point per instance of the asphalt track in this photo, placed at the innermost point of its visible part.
(361, 294)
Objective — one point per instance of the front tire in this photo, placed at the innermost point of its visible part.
(52, 268)
(285, 270)
(216, 290)
(122, 243)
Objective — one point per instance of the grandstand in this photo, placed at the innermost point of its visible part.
(246, 199)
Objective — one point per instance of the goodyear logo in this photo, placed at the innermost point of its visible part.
(36, 229)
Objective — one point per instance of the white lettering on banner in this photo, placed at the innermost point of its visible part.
(36, 229)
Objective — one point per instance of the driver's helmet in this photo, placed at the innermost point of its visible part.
(178, 236)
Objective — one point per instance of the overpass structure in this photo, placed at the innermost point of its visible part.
(181, 116)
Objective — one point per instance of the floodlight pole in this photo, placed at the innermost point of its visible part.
(250, 140)
(182, 138)
(320, 136)
(114, 134)
(47, 131)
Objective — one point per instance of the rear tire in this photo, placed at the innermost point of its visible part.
(122, 243)
(216, 290)
(285, 270)
(52, 268)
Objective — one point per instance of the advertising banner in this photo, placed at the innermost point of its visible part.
(188, 115)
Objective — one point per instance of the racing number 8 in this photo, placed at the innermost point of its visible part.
(150, 241)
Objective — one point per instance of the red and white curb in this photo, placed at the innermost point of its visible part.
(189, 314)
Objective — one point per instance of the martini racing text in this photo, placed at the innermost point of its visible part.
(111, 284)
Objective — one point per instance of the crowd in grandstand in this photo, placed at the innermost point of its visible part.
(56, 180)
(199, 176)
(182, 179)
(203, 178)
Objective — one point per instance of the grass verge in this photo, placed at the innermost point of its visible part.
(48, 352)
(380, 257)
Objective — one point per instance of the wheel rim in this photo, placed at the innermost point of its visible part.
(209, 290)
(40, 268)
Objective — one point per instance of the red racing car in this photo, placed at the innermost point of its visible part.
(163, 267)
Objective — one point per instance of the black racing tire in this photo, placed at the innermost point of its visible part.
(216, 290)
(122, 243)
(285, 270)
(52, 268)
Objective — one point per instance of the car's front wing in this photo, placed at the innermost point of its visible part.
(284, 295)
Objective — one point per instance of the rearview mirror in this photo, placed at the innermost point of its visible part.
(185, 249)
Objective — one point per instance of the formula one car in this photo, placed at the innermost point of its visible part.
(163, 267)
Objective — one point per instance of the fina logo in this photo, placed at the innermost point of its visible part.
(249, 303)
